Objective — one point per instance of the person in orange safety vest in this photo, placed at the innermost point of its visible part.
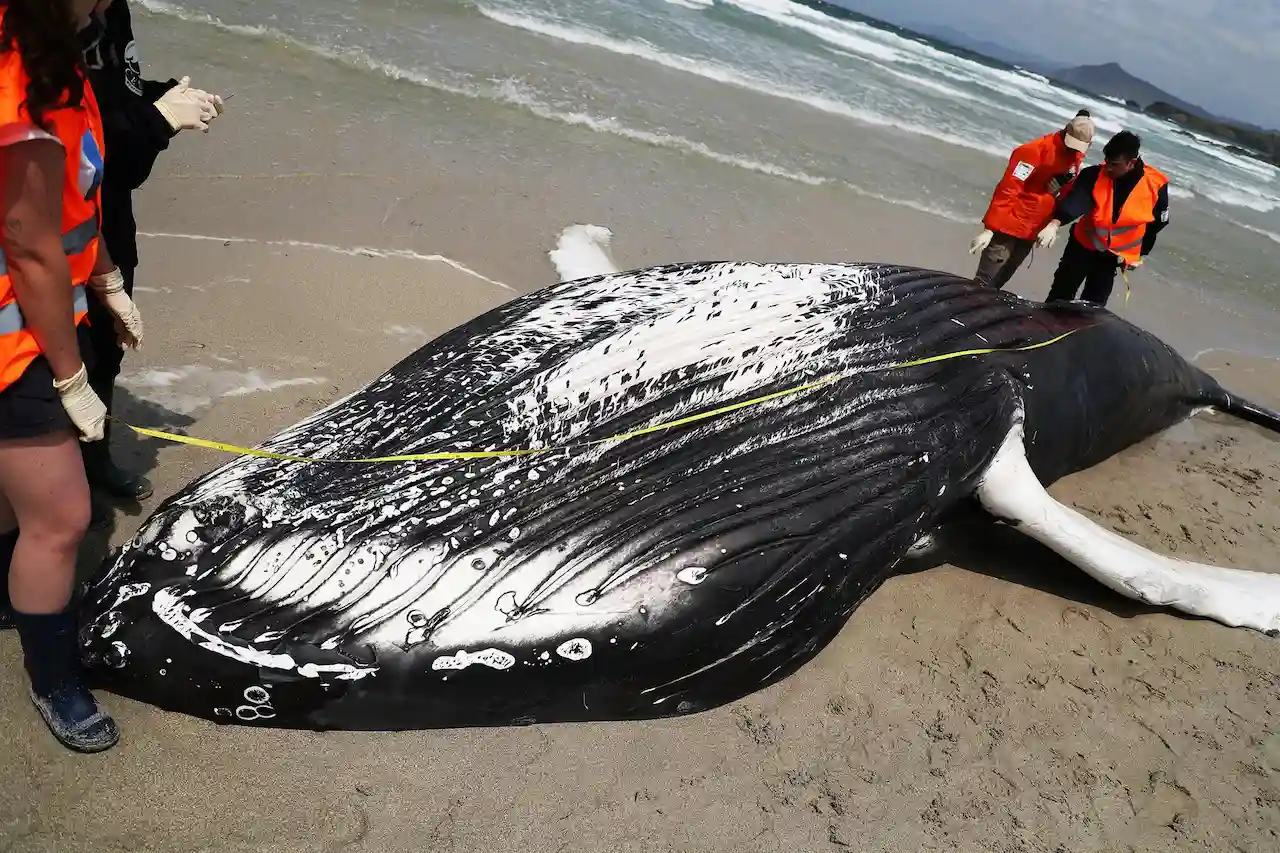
(1119, 207)
(53, 261)
(1023, 201)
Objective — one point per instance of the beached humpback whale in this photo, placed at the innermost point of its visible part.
(662, 574)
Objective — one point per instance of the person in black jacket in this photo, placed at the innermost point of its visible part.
(1124, 167)
(139, 118)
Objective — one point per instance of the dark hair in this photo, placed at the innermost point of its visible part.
(1084, 113)
(45, 37)
(1124, 144)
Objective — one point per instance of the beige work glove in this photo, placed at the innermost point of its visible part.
(83, 405)
(981, 241)
(109, 288)
(1048, 236)
(186, 108)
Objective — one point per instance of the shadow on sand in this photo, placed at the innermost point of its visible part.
(136, 454)
(976, 542)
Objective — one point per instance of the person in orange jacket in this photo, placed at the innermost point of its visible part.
(1023, 201)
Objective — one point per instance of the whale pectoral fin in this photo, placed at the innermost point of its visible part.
(582, 251)
(1011, 491)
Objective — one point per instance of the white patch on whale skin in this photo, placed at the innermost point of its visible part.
(340, 671)
(111, 623)
(576, 649)
(692, 575)
(167, 605)
(751, 323)
(923, 545)
(492, 658)
(1239, 599)
(130, 590)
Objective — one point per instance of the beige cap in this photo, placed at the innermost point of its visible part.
(1079, 133)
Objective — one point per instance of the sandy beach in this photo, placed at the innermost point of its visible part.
(999, 700)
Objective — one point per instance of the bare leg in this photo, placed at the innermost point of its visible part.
(43, 483)
(1239, 599)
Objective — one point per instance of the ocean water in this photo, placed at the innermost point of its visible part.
(784, 89)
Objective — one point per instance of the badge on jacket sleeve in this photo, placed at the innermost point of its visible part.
(1023, 170)
(132, 69)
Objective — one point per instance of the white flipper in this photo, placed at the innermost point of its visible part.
(583, 252)
(1241, 599)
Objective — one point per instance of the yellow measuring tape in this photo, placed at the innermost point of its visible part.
(496, 454)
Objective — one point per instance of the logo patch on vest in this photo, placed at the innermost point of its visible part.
(1164, 215)
(1023, 170)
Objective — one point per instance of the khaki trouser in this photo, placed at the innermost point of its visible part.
(1001, 259)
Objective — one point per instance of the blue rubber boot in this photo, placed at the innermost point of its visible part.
(51, 650)
(7, 543)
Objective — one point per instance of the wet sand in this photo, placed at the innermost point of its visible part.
(998, 701)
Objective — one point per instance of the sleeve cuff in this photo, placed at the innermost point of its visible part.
(161, 124)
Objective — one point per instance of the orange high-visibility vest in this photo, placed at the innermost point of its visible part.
(1022, 202)
(79, 129)
(1123, 237)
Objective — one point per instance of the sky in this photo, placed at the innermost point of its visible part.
(1222, 55)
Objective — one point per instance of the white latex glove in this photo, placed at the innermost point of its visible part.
(215, 100)
(186, 108)
(110, 289)
(981, 241)
(1048, 236)
(83, 406)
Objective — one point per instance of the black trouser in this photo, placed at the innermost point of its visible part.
(1001, 259)
(107, 357)
(1079, 264)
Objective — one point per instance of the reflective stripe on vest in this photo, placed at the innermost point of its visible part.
(74, 242)
(1103, 238)
(11, 319)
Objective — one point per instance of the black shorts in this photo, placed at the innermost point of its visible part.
(31, 407)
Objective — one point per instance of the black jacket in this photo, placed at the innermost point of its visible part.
(135, 130)
(1079, 201)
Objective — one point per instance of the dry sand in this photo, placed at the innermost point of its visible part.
(1001, 701)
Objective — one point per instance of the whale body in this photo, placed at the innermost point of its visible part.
(656, 574)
